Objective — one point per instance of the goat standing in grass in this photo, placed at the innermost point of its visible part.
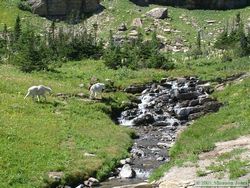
(95, 89)
(38, 91)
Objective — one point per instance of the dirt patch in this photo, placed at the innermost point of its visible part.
(187, 175)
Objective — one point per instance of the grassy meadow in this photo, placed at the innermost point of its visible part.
(38, 138)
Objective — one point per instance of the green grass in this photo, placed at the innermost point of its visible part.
(235, 167)
(37, 138)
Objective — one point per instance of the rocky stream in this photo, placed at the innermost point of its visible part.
(159, 112)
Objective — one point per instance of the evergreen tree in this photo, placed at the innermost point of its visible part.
(17, 29)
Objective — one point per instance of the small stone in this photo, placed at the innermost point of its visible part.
(137, 22)
(56, 176)
(89, 155)
(122, 27)
(93, 181)
(162, 145)
(128, 160)
(160, 159)
(123, 162)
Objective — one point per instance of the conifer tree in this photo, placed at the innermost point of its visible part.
(17, 29)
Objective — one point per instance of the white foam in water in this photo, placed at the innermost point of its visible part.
(142, 174)
(125, 122)
(144, 103)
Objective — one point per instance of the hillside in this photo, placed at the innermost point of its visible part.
(69, 138)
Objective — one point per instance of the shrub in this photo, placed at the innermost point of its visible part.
(24, 5)
(136, 54)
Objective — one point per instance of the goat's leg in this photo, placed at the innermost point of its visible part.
(91, 95)
(44, 97)
(33, 97)
(38, 98)
(27, 95)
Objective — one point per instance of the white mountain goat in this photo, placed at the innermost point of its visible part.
(95, 89)
(38, 91)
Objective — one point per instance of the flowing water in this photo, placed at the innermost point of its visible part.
(164, 108)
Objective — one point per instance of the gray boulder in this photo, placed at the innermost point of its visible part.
(158, 13)
(62, 8)
(135, 89)
(127, 172)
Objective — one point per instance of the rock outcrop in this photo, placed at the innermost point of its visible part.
(63, 8)
(198, 4)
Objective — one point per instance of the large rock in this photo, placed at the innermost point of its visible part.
(63, 8)
(135, 89)
(127, 172)
(144, 119)
(158, 13)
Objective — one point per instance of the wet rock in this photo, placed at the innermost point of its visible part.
(212, 106)
(92, 182)
(125, 161)
(160, 159)
(135, 89)
(187, 96)
(144, 119)
(127, 172)
(160, 123)
(80, 186)
(203, 100)
(163, 80)
(162, 145)
(167, 85)
(182, 112)
(137, 153)
(195, 115)
(193, 102)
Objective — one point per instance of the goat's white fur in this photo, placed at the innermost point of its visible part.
(38, 91)
(95, 89)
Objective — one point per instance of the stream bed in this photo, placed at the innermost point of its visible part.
(160, 110)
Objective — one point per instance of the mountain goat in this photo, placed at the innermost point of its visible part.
(96, 88)
(38, 91)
